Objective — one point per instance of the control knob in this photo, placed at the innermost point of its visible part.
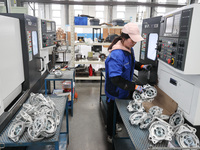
(174, 44)
(173, 52)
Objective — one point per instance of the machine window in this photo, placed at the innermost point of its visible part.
(151, 52)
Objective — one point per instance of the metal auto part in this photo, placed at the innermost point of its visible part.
(136, 95)
(137, 117)
(58, 73)
(147, 120)
(16, 130)
(135, 105)
(32, 135)
(177, 119)
(36, 99)
(24, 117)
(160, 130)
(185, 136)
(50, 128)
(164, 117)
(148, 95)
(155, 111)
(39, 124)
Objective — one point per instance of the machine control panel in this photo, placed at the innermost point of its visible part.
(48, 33)
(174, 37)
(172, 52)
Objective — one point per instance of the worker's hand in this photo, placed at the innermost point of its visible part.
(147, 67)
(139, 88)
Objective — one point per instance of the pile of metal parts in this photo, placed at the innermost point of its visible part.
(148, 95)
(39, 117)
(161, 127)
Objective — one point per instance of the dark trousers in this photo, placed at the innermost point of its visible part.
(110, 114)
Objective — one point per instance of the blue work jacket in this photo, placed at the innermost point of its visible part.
(118, 63)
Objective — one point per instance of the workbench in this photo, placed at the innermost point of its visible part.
(138, 139)
(58, 140)
(68, 75)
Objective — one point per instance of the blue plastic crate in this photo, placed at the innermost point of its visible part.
(80, 20)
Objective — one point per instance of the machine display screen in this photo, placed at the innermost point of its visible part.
(169, 25)
(49, 27)
(35, 42)
(151, 53)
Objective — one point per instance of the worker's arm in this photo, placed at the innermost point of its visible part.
(123, 83)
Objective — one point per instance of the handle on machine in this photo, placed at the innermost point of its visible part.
(40, 70)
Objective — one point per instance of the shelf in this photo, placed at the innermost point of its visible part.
(92, 44)
(89, 62)
(89, 78)
(62, 144)
(113, 27)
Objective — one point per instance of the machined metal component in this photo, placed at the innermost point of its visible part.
(51, 127)
(135, 106)
(186, 138)
(149, 93)
(39, 125)
(177, 119)
(36, 99)
(33, 136)
(147, 120)
(24, 117)
(58, 73)
(136, 95)
(137, 117)
(159, 131)
(164, 117)
(16, 130)
(155, 111)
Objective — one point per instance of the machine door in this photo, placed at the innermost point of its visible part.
(33, 49)
(148, 53)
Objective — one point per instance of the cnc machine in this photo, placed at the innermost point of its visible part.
(178, 53)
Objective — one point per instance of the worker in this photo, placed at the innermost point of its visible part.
(119, 67)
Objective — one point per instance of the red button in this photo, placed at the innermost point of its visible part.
(158, 55)
(169, 61)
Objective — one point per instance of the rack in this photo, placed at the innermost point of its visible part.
(67, 76)
(73, 44)
(59, 141)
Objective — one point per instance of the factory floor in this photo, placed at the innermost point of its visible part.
(86, 127)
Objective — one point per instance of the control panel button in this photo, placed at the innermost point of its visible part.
(169, 61)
